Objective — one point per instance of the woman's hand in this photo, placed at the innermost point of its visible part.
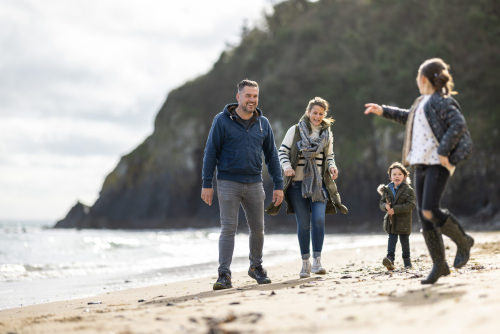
(390, 212)
(445, 162)
(289, 172)
(334, 172)
(387, 206)
(372, 108)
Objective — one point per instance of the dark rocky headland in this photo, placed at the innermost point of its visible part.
(350, 53)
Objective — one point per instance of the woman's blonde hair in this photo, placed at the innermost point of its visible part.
(320, 102)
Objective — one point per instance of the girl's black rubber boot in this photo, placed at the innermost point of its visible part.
(434, 242)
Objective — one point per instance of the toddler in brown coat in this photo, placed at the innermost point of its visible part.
(397, 201)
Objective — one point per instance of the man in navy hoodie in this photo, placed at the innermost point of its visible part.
(238, 137)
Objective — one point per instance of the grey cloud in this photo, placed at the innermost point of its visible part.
(68, 145)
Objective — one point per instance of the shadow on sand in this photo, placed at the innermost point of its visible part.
(254, 287)
(428, 295)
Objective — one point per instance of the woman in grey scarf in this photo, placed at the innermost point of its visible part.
(307, 159)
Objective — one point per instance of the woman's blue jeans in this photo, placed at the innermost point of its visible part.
(310, 217)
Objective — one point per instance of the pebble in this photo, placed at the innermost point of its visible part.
(94, 303)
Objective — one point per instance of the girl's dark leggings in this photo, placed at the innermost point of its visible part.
(430, 183)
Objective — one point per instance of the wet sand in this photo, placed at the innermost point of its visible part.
(357, 295)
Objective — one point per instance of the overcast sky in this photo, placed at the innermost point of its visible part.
(82, 80)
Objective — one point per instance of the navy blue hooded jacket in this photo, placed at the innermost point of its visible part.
(237, 151)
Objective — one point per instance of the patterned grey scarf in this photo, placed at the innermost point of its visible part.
(310, 147)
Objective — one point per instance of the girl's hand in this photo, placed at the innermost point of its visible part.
(390, 212)
(372, 108)
(445, 162)
(334, 172)
(387, 206)
(289, 172)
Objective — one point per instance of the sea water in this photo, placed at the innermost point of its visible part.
(40, 264)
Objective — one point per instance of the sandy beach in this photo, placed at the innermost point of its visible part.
(357, 295)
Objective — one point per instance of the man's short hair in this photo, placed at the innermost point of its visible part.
(246, 82)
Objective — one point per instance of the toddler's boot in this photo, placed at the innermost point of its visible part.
(388, 263)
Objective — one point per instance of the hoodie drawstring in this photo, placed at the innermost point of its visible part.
(260, 126)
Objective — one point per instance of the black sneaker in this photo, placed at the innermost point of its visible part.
(223, 282)
(259, 274)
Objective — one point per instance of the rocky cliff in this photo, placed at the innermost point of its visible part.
(349, 52)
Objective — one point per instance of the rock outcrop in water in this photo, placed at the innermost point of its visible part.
(77, 217)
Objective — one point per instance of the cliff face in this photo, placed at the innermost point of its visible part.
(350, 53)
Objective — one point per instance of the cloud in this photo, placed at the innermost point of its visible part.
(59, 136)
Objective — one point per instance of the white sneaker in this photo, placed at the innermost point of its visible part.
(316, 267)
(306, 269)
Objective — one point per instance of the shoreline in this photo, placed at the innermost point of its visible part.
(85, 272)
(356, 295)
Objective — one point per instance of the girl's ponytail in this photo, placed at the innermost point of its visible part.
(437, 72)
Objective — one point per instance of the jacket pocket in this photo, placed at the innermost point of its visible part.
(255, 160)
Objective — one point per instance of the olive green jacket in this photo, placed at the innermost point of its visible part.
(334, 204)
(403, 204)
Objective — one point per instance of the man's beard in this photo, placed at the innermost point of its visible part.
(247, 110)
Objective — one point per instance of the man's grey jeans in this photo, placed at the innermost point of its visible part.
(251, 197)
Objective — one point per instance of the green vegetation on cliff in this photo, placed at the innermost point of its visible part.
(350, 52)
